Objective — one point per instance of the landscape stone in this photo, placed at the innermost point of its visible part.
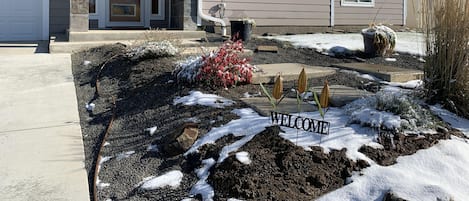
(181, 140)
(386, 73)
(341, 95)
(267, 48)
(267, 72)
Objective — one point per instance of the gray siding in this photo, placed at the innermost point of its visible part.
(276, 12)
(59, 16)
(384, 11)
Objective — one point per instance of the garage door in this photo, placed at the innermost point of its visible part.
(22, 20)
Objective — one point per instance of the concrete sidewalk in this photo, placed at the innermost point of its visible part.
(41, 146)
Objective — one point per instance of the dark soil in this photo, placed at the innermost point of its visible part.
(143, 95)
(402, 145)
(281, 170)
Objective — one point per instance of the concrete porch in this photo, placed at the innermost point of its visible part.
(78, 41)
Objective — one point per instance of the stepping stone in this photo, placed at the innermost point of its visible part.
(288, 105)
(289, 71)
(386, 73)
(267, 48)
(341, 95)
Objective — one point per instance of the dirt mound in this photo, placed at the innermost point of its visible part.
(281, 170)
(402, 145)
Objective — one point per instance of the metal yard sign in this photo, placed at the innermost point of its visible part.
(298, 122)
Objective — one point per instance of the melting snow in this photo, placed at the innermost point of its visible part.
(412, 43)
(406, 85)
(90, 107)
(202, 187)
(171, 179)
(249, 124)
(199, 98)
(439, 172)
(390, 59)
(243, 157)
(124, 155)
(454, 120)
(151, 130)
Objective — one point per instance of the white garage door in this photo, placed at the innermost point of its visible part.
(22, 20)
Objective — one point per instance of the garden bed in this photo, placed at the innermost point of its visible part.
(136, 95)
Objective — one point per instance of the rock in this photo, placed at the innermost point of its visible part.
(181, 140)
(390, 196)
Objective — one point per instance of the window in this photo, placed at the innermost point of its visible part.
(92, 7)
(155, 7)
(362, 3)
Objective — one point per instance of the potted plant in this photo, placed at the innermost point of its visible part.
(379, 40)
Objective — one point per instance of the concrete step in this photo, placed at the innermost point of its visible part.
(117, 35)
(341, 95)
(70, 47)
(386, 73)
(289, 71)
(288, 105)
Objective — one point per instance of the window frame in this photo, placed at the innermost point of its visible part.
(357, 4)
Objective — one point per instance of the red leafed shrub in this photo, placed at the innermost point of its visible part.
(225, 67)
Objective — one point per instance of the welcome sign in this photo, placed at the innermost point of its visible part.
(298, 122)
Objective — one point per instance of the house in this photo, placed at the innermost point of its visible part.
(39, 19)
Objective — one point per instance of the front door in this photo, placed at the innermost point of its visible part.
(125, 13)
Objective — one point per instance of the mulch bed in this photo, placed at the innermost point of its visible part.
(142, 94)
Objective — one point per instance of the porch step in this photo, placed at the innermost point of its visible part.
(119, 35)
(290, 71)
(187, 47)
(386, 73)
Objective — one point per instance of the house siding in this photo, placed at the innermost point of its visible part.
(275, 12)
(384, 11)
(59, 16)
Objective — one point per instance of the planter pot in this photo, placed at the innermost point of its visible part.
(368, 38)
(241, 28)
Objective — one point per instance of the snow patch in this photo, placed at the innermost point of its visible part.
(152, 148)
(413, 84)
(199, 98)
(390, 59)
(90, 107)
(248, 125)
(439, 172)
(172, 179)
(454, 120)
(202, 187)
(86, 62)
(243, 157)
(411, 43)
(151, 130)
(124, 155)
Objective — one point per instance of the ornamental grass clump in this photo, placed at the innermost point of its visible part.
(447, 63)
(152, 50)
(383, 38)
(221, 68)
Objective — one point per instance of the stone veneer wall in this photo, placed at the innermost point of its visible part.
(79, 15)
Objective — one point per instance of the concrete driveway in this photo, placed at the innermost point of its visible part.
(41, 147)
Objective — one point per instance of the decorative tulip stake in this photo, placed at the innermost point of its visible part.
(325, 94)
(323, 101)
(277, 92)
(302, 86)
